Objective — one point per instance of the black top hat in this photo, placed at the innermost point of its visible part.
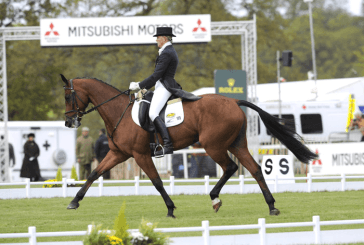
(31, 135)
(164, 31)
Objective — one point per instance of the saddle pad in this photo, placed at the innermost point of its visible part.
(174, 114)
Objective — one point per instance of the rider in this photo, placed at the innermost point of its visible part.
(165, 85)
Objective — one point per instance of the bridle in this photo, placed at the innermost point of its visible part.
(76, 118)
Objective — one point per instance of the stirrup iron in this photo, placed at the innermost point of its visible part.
(155, 151)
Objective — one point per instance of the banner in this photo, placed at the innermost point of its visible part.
(347, 158)
(232, 84)
(351, 111)
(123, 30)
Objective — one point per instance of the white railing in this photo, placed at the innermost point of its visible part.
(172, 181)
(205, 229)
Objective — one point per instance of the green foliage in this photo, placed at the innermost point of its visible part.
(121, 227)
(155, 238)
(50, 185)
(100, 238)
(74, 173)
(59, 174)
(34, 85)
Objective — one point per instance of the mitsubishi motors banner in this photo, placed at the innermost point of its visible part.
(123, 30)
(347, 158)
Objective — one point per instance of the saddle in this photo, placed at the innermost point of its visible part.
(172, 114)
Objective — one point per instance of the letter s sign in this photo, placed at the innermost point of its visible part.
(284, 168)
(269, 167)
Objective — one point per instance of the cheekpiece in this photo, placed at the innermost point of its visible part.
(164, 31)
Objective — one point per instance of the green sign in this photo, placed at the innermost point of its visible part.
(232, 84)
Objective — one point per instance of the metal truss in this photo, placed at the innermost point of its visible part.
(246, 29)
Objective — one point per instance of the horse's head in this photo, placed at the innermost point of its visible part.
(76, 103)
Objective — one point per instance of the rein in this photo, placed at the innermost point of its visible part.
(74, 102)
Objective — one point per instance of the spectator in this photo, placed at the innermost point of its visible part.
(85, 153)
(30, 167)
(355, 123)
(101, 149)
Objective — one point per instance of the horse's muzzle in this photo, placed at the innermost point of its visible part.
(72, 122)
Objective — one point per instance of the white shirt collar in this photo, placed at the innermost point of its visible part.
(163, 47)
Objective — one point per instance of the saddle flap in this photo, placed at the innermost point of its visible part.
(171, 114)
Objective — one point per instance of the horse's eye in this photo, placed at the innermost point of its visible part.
(67, 98)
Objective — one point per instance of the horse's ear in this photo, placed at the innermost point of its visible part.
(64, 79)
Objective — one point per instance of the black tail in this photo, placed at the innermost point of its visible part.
(284, 134)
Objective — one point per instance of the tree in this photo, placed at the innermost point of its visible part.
(337, 36)
(19, 12)
(33, 76)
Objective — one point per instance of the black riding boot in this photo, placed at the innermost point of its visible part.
(167, 142)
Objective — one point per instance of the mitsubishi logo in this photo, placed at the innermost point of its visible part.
(199, 27)
(51, 31)
(318, 160)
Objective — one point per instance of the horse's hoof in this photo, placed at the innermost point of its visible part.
(171, 215)
(217, 205)
(73, 205)
(274, 212)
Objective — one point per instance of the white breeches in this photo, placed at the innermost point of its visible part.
(160, 97)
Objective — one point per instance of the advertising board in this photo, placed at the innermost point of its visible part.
(347, 158)
(123, 30)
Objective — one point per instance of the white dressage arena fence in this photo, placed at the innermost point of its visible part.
(137, 189)
(263, 238)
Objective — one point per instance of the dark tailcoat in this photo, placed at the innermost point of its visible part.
(165, 70)
(30, 169)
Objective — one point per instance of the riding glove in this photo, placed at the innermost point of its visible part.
(134, 86)
(31, 158)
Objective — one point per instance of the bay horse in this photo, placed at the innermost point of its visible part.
(217, 122)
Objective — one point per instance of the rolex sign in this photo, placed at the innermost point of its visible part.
(231, 83)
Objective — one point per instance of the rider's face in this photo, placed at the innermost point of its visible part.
(161, 40)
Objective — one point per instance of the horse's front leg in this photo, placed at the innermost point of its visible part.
(146, 163)
(111, 159)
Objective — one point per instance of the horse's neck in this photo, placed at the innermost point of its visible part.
(99, 93)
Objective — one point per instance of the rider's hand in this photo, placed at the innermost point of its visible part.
(134, 86)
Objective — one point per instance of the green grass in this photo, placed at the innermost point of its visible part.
(51, 214)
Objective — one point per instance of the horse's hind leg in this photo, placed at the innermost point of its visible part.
(228, 166)
(250, 164)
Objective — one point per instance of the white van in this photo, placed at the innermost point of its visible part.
(57, 145)
(322, 120)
